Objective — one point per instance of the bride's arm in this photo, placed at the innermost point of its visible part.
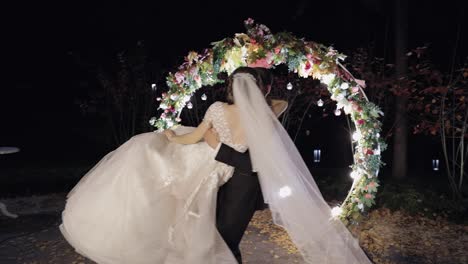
(278, 106)
(189, 138)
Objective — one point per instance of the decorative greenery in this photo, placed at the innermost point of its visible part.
(260, 48)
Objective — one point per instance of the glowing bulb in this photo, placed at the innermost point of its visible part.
(289, 86)
(189, 105)
(337, 112)
(307, 132)
(285, 192)
(357, 136)
(153, 86)
(320, 103)
(336, 211)
(204, 97)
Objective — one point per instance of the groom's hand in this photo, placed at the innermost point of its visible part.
(211, 138)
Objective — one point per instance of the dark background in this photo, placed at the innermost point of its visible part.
(41, 80)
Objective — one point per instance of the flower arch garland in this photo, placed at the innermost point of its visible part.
(260, 48)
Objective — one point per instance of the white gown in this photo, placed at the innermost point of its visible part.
(152, 201)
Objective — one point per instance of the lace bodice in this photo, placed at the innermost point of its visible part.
(216, 115)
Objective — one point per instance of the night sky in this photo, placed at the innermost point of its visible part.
(40, 77)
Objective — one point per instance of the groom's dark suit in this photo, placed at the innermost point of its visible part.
(238, 198)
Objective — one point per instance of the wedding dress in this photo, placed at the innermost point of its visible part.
(152, 201)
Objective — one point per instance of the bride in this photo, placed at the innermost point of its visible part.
(153, 200)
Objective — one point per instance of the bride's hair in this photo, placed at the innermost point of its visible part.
(263, 78)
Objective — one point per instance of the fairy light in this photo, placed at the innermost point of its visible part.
(320, 103)
(289, 86)
(204, 97)
(189, 105)
(337, 112)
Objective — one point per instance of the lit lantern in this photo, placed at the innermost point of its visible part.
(317, 155)
(435, 164)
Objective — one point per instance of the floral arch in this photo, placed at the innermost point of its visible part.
(259, 47)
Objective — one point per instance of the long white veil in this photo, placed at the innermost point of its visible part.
(287, 185)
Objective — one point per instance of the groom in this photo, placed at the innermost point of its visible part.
(241, 196)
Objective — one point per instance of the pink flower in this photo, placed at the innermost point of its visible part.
(249, 21)
(178, 119)
(361, 83)
(371, 184)
(369, 152)
(355, 89)
(360, 122)
(180, 77)
(309, 56)
(261, 63)
(331, 52)
(163, 95)
(368, 196)
(163, 115)
(277, 50)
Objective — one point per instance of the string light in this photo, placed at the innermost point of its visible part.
(289, 86)
(204, 97)
(337, 112)
(189, 105)
(153, 86)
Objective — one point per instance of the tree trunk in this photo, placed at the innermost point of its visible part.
(400, 143)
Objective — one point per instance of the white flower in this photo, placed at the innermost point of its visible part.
(174, 97)
(336, 211)
(163, 106)
(357, 136)
(344, 86)
(328, 78)
(360, 206)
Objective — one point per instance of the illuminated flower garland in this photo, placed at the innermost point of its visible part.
(260, 48)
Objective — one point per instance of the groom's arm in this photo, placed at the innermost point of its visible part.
(228, 155)
(232, 157)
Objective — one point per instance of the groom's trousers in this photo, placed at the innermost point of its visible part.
(238, 198)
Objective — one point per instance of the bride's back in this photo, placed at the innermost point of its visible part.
(231, 114)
